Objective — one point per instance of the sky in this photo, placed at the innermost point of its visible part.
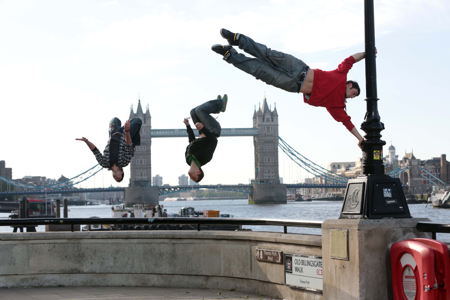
(68, 67)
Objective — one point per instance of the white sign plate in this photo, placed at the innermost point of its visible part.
(305, 272)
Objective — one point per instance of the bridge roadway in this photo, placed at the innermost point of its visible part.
(164, 190)
(170, 133)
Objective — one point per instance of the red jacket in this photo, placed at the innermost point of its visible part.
(329, 91)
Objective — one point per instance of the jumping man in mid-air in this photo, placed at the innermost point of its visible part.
(200, 150)
(120, 148)
(328, 89)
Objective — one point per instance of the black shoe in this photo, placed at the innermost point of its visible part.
(224, 103)
(222, 50)
(231, 37)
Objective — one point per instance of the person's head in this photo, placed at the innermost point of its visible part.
(199, 125)
(114, 125)
(352, 89)
(117, 173)
(196, 173)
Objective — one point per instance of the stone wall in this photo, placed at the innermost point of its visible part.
(205, 259)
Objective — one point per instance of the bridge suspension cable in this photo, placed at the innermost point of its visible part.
(83, 176)
(426, 174)
(309, 165)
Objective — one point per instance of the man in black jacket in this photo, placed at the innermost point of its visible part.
(200, 150)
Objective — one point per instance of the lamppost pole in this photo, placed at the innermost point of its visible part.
(374, 195)
(373, 148)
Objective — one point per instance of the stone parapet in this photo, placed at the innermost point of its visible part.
(174, 259)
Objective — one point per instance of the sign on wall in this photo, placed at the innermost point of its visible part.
(304, 272)
(271, 256)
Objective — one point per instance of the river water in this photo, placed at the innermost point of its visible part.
(239, 208)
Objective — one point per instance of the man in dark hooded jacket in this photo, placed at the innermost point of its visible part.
(200, 150)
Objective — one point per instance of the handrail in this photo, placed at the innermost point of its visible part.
(160, 220)
(433, 228)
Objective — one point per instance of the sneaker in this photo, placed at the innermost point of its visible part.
(224, 104)
(222, 50)
(231, 37)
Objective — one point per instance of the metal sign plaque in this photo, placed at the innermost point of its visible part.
(304, 272)
(271, 256)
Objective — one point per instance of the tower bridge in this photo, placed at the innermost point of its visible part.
(266, 187)
(171, 133)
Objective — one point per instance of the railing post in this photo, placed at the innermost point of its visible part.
(58, 208)
(66, 209)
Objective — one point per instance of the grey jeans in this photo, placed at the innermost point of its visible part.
(273, 67)
(202, 114)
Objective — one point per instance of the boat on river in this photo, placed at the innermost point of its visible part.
(440, 198)
(158, 211)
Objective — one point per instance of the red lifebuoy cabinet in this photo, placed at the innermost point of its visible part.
(441, 267)
(420, 270)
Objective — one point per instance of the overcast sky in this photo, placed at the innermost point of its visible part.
(68, 67)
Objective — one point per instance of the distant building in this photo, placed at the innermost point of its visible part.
(341, 168)
(192, 182)
(413, 172)
(35, 180)
(183, 180)
(5, 172)
(157, 180)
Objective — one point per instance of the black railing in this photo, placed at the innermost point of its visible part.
(424, 227)
(433, 228)
(154, 221)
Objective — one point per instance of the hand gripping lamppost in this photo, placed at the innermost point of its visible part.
(374, 195)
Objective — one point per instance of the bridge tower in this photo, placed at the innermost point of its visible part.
(266, 186)
(140, 189)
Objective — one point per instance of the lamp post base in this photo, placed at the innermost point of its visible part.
(374, 197)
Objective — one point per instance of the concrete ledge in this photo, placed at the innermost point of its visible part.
(295, 239)
(199, 259)
(121, 293)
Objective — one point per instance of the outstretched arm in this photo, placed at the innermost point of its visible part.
(88, 143)
(102, 161)
(361, 140)
(189, 130)
(358, 56)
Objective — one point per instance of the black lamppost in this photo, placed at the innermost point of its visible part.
(375, 195)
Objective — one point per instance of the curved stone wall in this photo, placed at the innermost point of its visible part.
(194, 259)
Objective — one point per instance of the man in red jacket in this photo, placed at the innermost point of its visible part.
(328, 89)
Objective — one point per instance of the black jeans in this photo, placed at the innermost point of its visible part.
(135, 128)
(202, 114)
(273, 67)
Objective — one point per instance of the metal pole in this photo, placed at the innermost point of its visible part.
(374, 195)
(373, 148)
(58, 208)
(66, 210)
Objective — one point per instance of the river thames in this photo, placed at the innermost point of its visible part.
(239, 208)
